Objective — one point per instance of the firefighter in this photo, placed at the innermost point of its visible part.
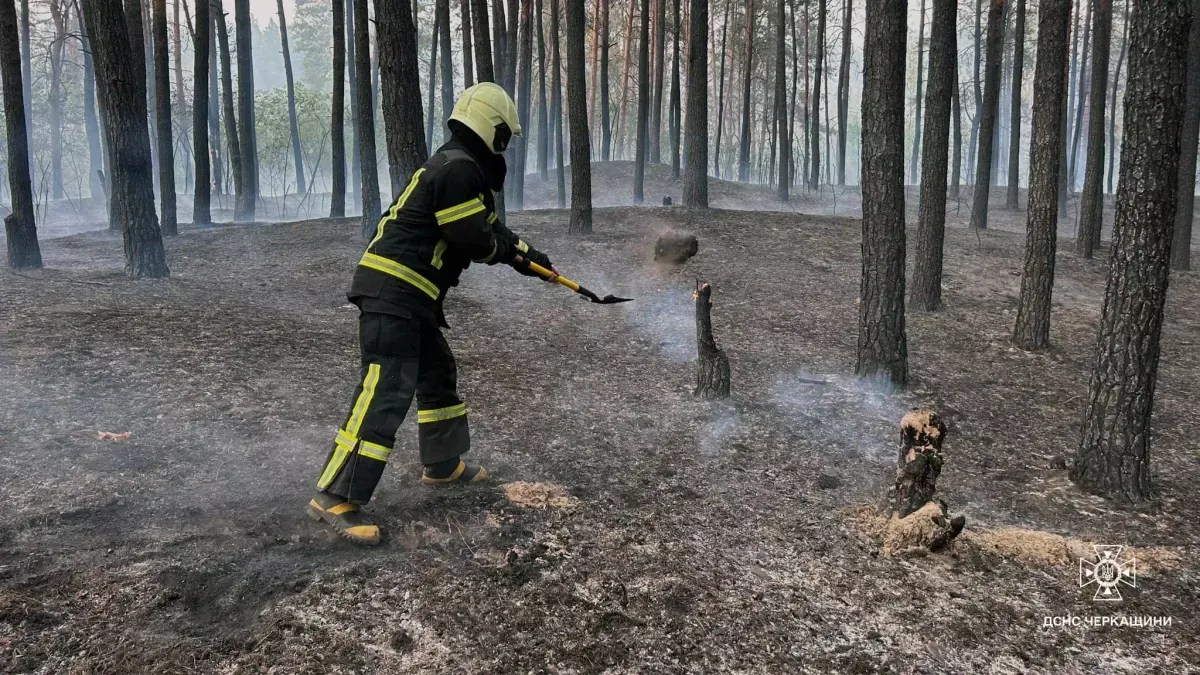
(444, 220)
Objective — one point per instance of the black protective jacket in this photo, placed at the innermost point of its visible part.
(444, 220)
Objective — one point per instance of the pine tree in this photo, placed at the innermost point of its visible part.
(1091, 213)
(202, 200)
(695, 167)
(987, 115)
(19, 227)
(1014, 138)
(581, 168)
(1181, 249)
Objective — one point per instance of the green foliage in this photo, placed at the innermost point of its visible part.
(273, 130)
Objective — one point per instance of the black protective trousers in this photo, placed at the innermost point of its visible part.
(401, 357)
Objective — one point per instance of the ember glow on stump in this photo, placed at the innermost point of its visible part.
(712, 367)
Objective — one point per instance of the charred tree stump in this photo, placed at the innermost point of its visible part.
(712, 367)
(675, 247)
(917, 519)
(667, 201)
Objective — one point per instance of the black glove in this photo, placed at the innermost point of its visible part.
(535, 256)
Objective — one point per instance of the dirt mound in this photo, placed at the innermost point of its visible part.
(539, 495)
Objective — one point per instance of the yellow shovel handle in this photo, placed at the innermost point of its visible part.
(546, 273)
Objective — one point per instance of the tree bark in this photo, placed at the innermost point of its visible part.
(248, 196)
(1013, 200)
(1032, 329)
(623, 110)
(605, 122)
(293, 123)
(916, 149)
(1113, 459)
(882, 343)
(366, 122)
(1112, 112)
(643, 85)
(400, 92)
(524, 88)
(355, 120)
(443, 10)
(660, 54)
(236, 160)
(695, 167)
(712, 366)
(543, 130)
(162, 106)
(676, 113)
(748, 71)
(27, 74)
(464, 7)
(919, 461)
(1081, 102)
(814, 178)
(556, 105)
(500, 43)
(511, 36)
(19, 226)
(95, 153)
(484, 68)
(844, 92)
(926, 292)
(1181, 250)
(431, 93)
(1092, 211)
(781, 111)
(122, 88)
(720, 94)
(337, 121)
(987, 115)
(201, 132)
(581, 168)
(58, 14)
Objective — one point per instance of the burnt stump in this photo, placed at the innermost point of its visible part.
(675, 247)
(712, 366)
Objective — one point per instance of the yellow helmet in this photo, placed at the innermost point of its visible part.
(489, 111)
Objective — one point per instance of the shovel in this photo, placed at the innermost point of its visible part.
(606, 300)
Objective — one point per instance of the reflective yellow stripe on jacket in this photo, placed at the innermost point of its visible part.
(402, 272)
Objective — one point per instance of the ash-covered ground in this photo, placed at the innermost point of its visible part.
(701, 537)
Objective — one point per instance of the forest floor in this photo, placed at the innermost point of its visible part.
(688, 536)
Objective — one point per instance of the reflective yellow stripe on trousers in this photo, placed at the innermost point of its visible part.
(441, 414)
(348, 437)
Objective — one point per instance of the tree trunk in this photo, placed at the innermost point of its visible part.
(1014, 131)
(248, 195)
(712, 366)
(978, 94)
(201, 131)
(464, 7)
(591, 103)
(510, 36)
(623, 110)
(355, 120)
(643, 110)
(882, 344)
(781, 111)
(484, 68)
(926, 292)
(1092, 212)
(443, 10)
(139, 58)
(581, 168)
(676, 113)
(236, 160)
(27, 75)
(1112, 112)
(1032, 330)
(987, 115)
(844, 92)
(720, 94)
(297, 156)
(58, 15)
(214, 108)
(1005, 76)
(19, 226)
(695, 166)
(956, 120)
(556, 106)
(337, 123)
(919, 462)
(122, 88)
(660, 54)
(499, 43)
(1081, 103)
(95, 154)
(181, 91)
(748, 68)
(792, 168)
(1181, 251)
(814, 178)
(543, 159)
(1113, 459)
(400, 92)
(916, 149)
(366, 122)
(605, 122)
(431, 93)
(162, 106)
(524, 88)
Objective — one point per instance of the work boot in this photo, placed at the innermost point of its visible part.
(346, 519)
(453, 471)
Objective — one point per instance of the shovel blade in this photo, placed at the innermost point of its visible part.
(612, 300)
